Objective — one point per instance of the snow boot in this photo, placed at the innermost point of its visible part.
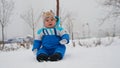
(42, 57)
(55, 57)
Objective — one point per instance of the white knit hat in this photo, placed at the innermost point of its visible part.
(48, 14)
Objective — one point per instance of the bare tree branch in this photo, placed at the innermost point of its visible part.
(29, 18)
(115, 9)
(6, 8)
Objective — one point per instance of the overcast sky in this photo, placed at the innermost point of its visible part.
(84, 11)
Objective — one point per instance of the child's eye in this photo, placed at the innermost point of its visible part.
(47, 20)
(52, 19)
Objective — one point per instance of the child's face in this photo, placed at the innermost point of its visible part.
(49, 22)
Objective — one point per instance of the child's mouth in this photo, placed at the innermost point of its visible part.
(50, 24)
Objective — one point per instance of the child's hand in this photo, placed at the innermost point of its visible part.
(64, 41)
(34, 51)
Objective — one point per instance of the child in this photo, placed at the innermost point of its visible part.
(51, 39)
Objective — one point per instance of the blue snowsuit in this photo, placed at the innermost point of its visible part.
(48, 40)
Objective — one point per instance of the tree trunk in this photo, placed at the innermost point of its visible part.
(33, 25)
(57, 11)
(73, 40)
(2, 38)
(34, 33)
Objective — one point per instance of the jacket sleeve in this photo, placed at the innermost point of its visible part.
(64, 35)
(37, 41)
(36, 45)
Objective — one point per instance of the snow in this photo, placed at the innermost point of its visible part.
(101, 56)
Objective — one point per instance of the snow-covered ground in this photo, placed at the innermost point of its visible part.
(103, 56)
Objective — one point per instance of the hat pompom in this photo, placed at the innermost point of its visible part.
(48, 14)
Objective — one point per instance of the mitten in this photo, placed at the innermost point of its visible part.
(63, 42)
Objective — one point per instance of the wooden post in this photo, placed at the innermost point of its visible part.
(57, 8)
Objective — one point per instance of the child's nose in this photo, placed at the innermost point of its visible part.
(49, 21)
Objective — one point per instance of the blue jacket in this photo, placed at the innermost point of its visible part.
(50, 37)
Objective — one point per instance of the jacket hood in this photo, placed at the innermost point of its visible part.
(57, 22)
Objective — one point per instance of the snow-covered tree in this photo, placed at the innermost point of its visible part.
(86, 30)
(113, 15)
(6, 8)
(114, 5)
(30, 18)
